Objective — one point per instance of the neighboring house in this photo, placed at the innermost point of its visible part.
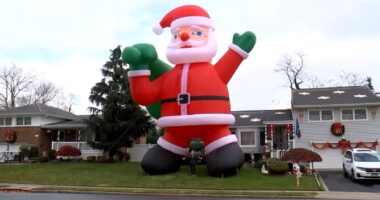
(323, 112)
(264, 132)
(45, 127)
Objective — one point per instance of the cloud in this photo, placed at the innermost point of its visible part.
(67, 42)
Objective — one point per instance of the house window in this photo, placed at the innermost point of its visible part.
(347, 114)
(320, 115)
(354, 114)
(314, 115)
(20, 121)
(247, 138)
(5, 121)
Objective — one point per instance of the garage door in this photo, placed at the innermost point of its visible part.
(331, 158)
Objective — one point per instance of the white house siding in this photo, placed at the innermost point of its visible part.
(355, 131)
(248, 149)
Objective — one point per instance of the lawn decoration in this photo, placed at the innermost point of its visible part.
(191, 99)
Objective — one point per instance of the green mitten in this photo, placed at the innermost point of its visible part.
(139, 56)
(246, 41)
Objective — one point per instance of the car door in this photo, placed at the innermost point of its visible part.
(348, 162)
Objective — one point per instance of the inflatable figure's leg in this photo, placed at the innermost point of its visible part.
(166, 156)
(160, 161)
(224, 157)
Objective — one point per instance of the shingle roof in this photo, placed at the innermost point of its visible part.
(261, 117)
(334, 96)
(77, 123)
(38, 109)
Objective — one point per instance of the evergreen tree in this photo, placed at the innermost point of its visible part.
(116, 120)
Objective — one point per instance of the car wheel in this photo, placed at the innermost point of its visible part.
(353, 175)
(345, 174)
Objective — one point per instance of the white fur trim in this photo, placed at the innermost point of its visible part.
(197, 119)
(138, 73)
(238, 50)
(192, 20)
(158, 29)
(220, 142)
(172, 147)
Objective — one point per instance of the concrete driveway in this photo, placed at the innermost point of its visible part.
(335, 181)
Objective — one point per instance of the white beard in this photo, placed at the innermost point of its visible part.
(197, 53)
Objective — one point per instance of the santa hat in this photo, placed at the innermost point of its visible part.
(184, 16)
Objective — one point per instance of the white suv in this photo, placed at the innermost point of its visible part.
(361, 163)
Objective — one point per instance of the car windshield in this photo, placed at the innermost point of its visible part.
(367, 157)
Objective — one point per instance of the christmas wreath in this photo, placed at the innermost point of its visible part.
(10, 136)
(337, 129)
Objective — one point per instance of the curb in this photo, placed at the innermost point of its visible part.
(321, 182)
(157, 191)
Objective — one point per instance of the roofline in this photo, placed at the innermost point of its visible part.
(278, 122)
(282, 109)
(37, 114)
(58, 126)
(337, 105)
(248, 126)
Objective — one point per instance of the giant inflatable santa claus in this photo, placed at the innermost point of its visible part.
(193, 96)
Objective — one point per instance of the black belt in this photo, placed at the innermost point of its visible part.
(186, 98)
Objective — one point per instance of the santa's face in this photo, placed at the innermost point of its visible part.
(191, 44)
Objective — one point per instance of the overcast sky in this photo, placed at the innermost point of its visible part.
(68, 41)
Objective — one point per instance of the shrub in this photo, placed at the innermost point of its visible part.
(68, 150)
(274, 165)
(126, 157)
(28, 150)
(278, 167)
(52, 155)
(91, 158)
(260, 163)
(43, 159)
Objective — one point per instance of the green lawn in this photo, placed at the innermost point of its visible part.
(131, 175)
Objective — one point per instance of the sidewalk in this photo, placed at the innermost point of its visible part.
(348, 195)
(289, 194)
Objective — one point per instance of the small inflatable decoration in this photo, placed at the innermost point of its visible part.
(190, 100)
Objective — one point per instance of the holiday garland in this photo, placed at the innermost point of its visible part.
(344, 145)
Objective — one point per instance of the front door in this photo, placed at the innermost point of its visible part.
(280, 139)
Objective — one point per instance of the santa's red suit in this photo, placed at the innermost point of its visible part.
(194, 101)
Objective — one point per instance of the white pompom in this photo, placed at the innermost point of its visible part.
(158, 29)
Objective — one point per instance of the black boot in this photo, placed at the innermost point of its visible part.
(160, 161)
(225, 161)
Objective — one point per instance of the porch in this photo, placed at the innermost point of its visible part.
(85, 149)
(279, 139)
(74, 134)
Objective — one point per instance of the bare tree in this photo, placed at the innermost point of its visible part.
(13, 81)
(65, 101)
(293, 67)
(42, 93)
(314, 82)
(350, 79)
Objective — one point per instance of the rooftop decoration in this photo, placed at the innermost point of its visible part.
(360, 96)
(324, 97)
(338, 92)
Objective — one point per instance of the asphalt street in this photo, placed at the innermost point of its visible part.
(335, 181)
(66, 196)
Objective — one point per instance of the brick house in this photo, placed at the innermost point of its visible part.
(45, 127)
